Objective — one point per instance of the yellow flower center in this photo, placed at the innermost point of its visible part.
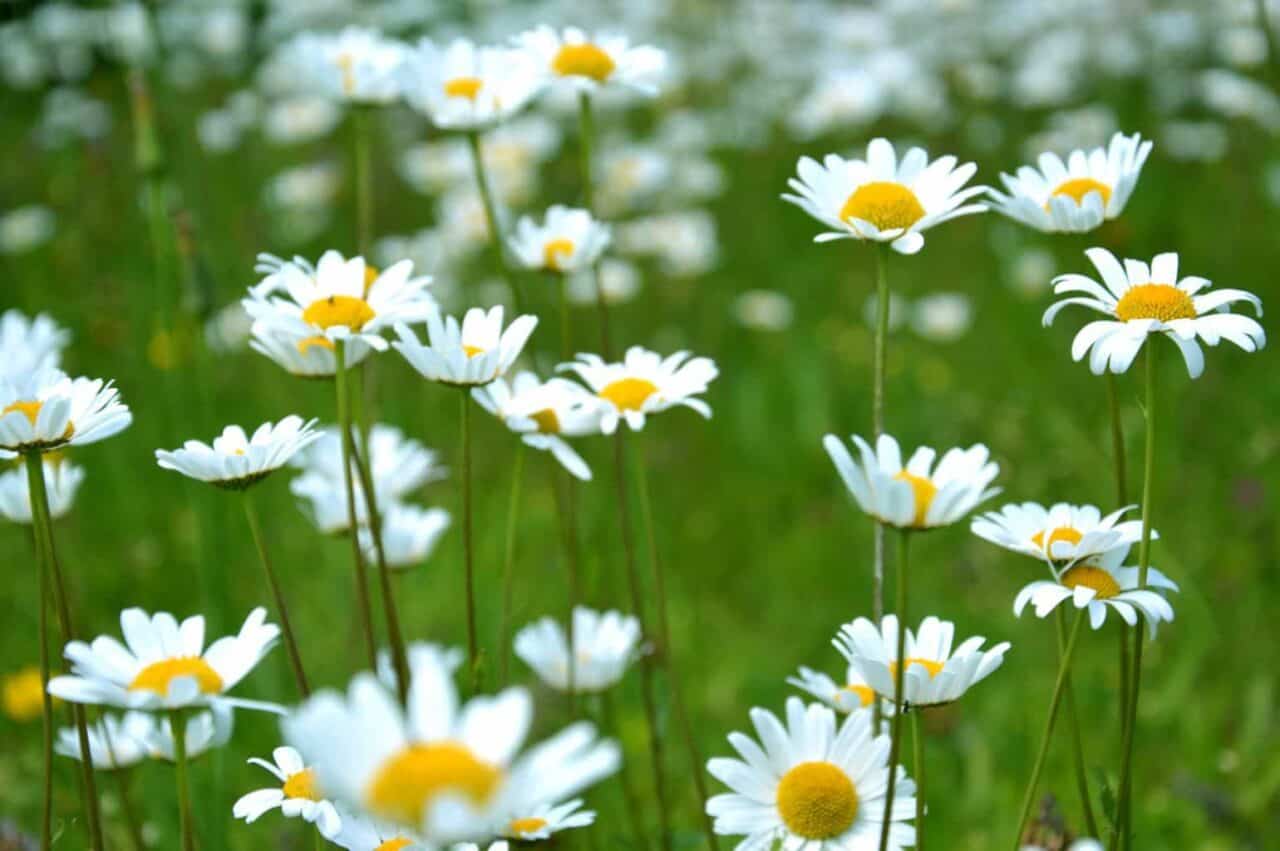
(925, 491)
(394, 844)
(462, 87)
(934, 668)
(1067, 534)
(346, 64)
(583, 60)
(521, 826)
(556, 250)
(629, 394)
(548, 422)
(865, 694)
(817, 800)
(32, 410)
(406, 784)
(318, 340)
(1155, 301)
(345, 310)
(302, 785)
(885, 204)
(24, 695)
(471, 351)
(1077, 188)
(157, 676)
(1091, 577)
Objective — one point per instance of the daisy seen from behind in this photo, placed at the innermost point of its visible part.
(236, 460)
(567, 240)
(1061, 532)
(47, 409)
(62, 481)
(1098, 585)
(297, 795)
(544, 820)
(644, 383)
(470, 353)
(464, 86)
(409, 534)
(588, 62)
(604, 645)
(543, 413)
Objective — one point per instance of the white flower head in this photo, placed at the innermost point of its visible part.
(62, 480)
(298, 795)
(544, 820)
(467, 354)
(115, 741)
(29, 344)
(853, 695)
(46, 410)
(361, 833)
(355, 65)
(1062, 533)
(1100, 584)
(302, 353)
(462, 86)
(567, 240)
(236, 460)
(644, 383)
(543, 413)
(589, 62)
(205, 732)
(604, 645)
(409, 534)
(398, 464)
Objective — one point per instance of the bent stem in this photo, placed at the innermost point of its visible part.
(178, 726)
(508, 566)
(497, 242)
(353, 526)
(917, 742)
(473, 648)
(877, 429)
(1077, 741)
(895, 745)
(290, 640)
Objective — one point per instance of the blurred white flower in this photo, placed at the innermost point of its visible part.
(763, 310)
(25, 228)
(462, 86)
(588, 63)
(62, 482)
(942, 317)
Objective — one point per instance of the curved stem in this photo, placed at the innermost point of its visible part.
(917, 742)
(473, 647)
(178, 726)
(1077, 741)
(877, 429)
(353, 525)
(508, 566)
(290, 640)
(364, 180)
(497, 241)
(895, 746)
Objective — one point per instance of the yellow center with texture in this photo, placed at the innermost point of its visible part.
(629, 394)
(345, 310)
(924, 491)
(885, 204)
(1064, 534)
(583, 60)
(556, 251)
(463, 87)
(407, 782)
(1155, 301)
(817, 800)
(302, 785)
(32, 412)
(524, 826)
(1088, 576)
(157, 676)
(1079, 188)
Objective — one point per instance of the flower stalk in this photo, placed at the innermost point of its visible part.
(895, 745)
(286, 626)
(353, 526)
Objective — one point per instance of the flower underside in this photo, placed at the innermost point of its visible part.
(1163, 302)
(884, 203)
(934, 668)
(817, 800)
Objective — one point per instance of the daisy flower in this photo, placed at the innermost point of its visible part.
(567, 240)
(855, 694)
(115, 741)
(446, 771)
(46, 410)
(1141, 300)
(205, 731)
(1062, 533)
(604, 644)
(235, 460)
(399, 465)
(163, 665)
(461, 86)
(356, 65)
(1099, 584)
(469, 354)
(936, 672)
(62, 480)
(542, 821)
(301, 352)
(29, 344)
(359, 833)
(644, 383)
(917, 495)
(543, 413)
(409, 534)
(1078, 195)
(297, 796)
(882, 199)
(589, 62)
(323, 500)
(811, 784)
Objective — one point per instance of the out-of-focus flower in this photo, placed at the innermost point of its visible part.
(942, 317)
(23, 229)
(462, 86)
(589, 62)
(356, 65)
(62, 481)
(763, 310)
(604, 645)
(567, 240)
(471, 353)
(544, 413)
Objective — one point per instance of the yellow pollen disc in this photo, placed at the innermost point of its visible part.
(318, 340)
(885, 204)
(925, 491)
(346, 65)
(521, 826)
(1062, 533)
(345, 310)
(32, 411)
(934, 668)
(555, 251)
(405, 785)
(1077, 188)
(462, 87)
(370, 275)
(548, 422)
(865, 693)
(629, 394)
(583, 60)
(24, 695)
(471, 351)
(1091, 577)
(1155, 301)
(817, 800)
(394, 844)
(157, 676)
(302, 785)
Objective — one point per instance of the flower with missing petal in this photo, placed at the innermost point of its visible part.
(467, 354)
(1062, 533)
(1099, 584)
(644, 383)
(297, 796)
(46, 410)
(543, 413)
(567, 240)
(236, 460)
(463, 86)
(588, 62)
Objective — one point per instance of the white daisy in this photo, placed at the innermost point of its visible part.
(540, 822)
(165, 665)
(399, 465)
(205, 731)
(1062, 533)
(917, 495)
(882, 199)
(297, 796)
(29, 344)
(469, 354)
(588, 62)
(1078, 195)
(115, 741)
(235, 460)
(936, 673)
(567, 240)
(360, 833)
(62, 480)
(45, 410)
(644, 383)
(855, 694)
(323, 500)
(1142, 300)
(811, 784)
(462, 86)
(301, 352)
(409, 534)
(356, 65)
(604, 644)
(543, 413)
(1099, 584)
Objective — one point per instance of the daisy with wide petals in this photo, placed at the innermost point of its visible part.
(567, 240)
(1099, 584)
(62, 481)
(1061, 533)
(409, 534)
(235, 460)
(919, 494)
(644, 383)
(47, 410)
(544, 820)
(604, 644)
(356, 65)
(297, 796)
(164, 665)
(881, 198)
(462, 86)
(467, 354)
(1077, 195)
(588, 62)
(855, 694)
(29, 344)
(543, 413)
(811, 784)
(1142, 300)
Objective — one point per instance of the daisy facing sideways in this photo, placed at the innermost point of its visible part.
(881, 198)
(811, 784)
(123, 741)
(47, 410)
(543, 413)
(235, 460)
(409, 534)
(1062, 533)
(588, 62)
(297, 796)
(568, 239)
(1141, 300)
(470, 353)
(644, 383)
(1100, 584)
(604, 645)
(855, 694)
(540, 822)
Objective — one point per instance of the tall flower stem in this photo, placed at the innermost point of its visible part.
(290, 639)
(586, 146)
(566, 328)
(43, 524)
(917, 742)
(631, 801)
(353, 525)
(497, 240)
(148, 163)
(895, 746)
(508, 566)
(46, 700)
(1059, 688)
(877, 429)
(1077, 741)
(364, 178)
(132, 823)
(567, 515)
(1122, 497)
(468, 553)
(178, 726)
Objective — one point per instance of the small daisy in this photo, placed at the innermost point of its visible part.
(462, 86)
(543, 413)
(1099, 584)
(588, 63)
(882, 199)
(540, 822)
(62, 480)
(1143, 300)
(568, 239)
(163, 665)
(46, 410)
(297, 796)
(936, 673)
(470, 354)
(855, 694)
(811, 784)
(359, 833)
(205, 732)
(644, 383)
(1078, 195)
(29, 344)
(1062, 533)
(604, 644)
(356, 65)
(409, 534)
(917, 495)
(235, 460)
(116, 741)
(301, 352)
(22, 694)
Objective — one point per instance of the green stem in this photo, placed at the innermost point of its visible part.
(917, 742)
(1118, 455)
(132, 823)
(586, 144)
(178, 726)
(364, 180)
(631, 800)
(877, 429)
(1264, 24)
(1059, 688)
(508, 565)
(895, 746)
(497, 241)
(46, 700)
(1077, 741)
(290, 640)
(566, 329)
(468, 554)
(565, 512)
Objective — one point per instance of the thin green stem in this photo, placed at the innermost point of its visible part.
(566, 514)
(497, 241)
(353, 525)
(895, 746)
(364, 179)
(1077, 741)
(1059, 688)
(290, 639)
(586, 145)
(508, 565)
(1118, 456)
(46, 700)
(917, 743)
(631, 800)
(877, 429)
(566, 329)
(1268, 34)
(468, 553)
(178, 726)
